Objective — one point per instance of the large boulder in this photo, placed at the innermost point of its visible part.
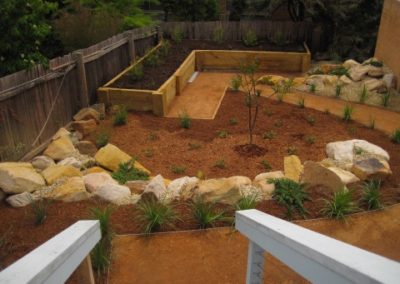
(137, 186)
(376, 72)
(110, 157)
(87, 113)
(60, 148)
(371, 168)
(41, 163)
(292, 167)
(350, 63)
(344, 80)
(261, 181)
(69, 190)
(155, 189)
(19, 177)
(224, 190)
(114, 193)
(183, 186)
(357, 73)
(21, 199)
(60, 133)
(86, 148)
(315, 174)
(71, 161)
(51, 174)
(389, 80)
(375, 85)
(345, 176)
(85, 126)
(95, 180)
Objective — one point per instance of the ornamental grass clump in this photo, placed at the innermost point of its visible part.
(291, 195)
(154, 215)
(205, 213)
(248, 201)
(371, 197)
(348, 113)
(40, 209)
(340, 205)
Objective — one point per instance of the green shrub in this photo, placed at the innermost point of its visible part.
(185, 120)
(385, 99)
(39, 210)
(311, 120)
(155, 216)
(218, 35)
(339, 71)
(363, 96)
(101, 139)
(121, 116)
(291, 195)
(301, 103)
(395, 137)
(266, 165)
(338, 91)
(233, 121)
(194, 145)
(178, 169)
(340, 205)
(136, 73)
(220, 164)
(348, 113)
(270, 134)
(371, 194)
(310, 139)
(177, 34)
(236, 82)
(205, 213)
(250, 38)
(247, 202)
(127, 171)
(222, 134)
(292, 150)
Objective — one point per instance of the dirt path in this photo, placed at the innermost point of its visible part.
(219, 255)
(201, 99)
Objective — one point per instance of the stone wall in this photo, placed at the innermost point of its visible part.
(388, 43)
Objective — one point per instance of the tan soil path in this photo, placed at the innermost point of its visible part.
(219, 255)
(201, 100)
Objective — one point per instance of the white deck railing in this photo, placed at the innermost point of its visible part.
(316, 257)
(58, 258)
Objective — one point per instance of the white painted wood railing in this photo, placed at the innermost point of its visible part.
(318, 258)
(55, 260)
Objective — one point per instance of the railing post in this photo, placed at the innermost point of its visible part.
(131, 47)
(80, 65)
(255, 264)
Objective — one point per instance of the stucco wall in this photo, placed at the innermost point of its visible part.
(388, 43)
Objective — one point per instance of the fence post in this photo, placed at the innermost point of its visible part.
(131, 47)
(80, 64)
(255, 264)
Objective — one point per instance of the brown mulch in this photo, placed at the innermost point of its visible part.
(155, 76)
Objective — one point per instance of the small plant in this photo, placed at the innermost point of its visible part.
(127, 171)
(266, 165)
(338, 91)
(121, 116)
(395, 137)
(39, 210)
(218, 35)
(282, 88)
(313, 88)
(291, 195)
(220, 164)
(310, 139)
(205, 213)
(371, 194)
(363, 96)
(301, 103)
(185, 120)
(270, 134)
(236, 82)
(178, 169)
(100, 256)
(101, 139)
(247, 202)
(233, 121)
(153, 136)
(292, 150)
(177, 34)
(267, 111)
(194, 145)
(155, 215)
(136, 73)
(104, 216)
(222, 134)
(164, 48)
(339, 71)
(385, 99)
(149, 152)
(152, 59)
(371, 124)
(348, 113)
(340, 205)
(250, 38)
(358, 151)
(311, 120)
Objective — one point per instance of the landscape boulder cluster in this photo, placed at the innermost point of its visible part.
(71, 169)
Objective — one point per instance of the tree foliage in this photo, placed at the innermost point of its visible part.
(190, 10)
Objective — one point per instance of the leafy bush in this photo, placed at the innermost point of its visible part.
(270, 134)
(250, 38)
(266, 165)
(127, 171)
(101, 139)
(339, 71)
(155, 215)
(136, 73)
(185, 120)
(372, 195)
(340, 205)
(278, 123)
(267, 111)
(220, 164)
(395, 137)
(39, 210)
(121, 116)
(178, 169)
(291, 195)
(177, 34)
(222, 134)
(363, 96)
(205, 213)
(247, 202)
(347, 113)
(236, 82)
(385, 99)
(218, 35)
(233, 121)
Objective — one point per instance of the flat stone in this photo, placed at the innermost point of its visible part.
(345, 80)
(114, 193)
(345, 176)
(374, 85)
(292, 167)
(85, 126)
(86, 148)
(20, 200)
(95, 180)
(19, 177)
(100, 108)
(87, 113)
(42, 162)
(71, 161)
(350, 63)
(389, 80)
(357, 73)
(72, 189)
(371, 168)
(51, 174)
(315, 174)
(95, 169)
(183, 186)
(60, 148)
(270, 79)
(137, 186)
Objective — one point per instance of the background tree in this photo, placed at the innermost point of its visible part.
(190, 10)
(237, 9)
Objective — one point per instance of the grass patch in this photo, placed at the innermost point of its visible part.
(178, 169)
(127, 171)
(247, 202)
(220, 164)
(121, 116)
(311, 120)
(270, 134)
(301, 103)
(313, 88)
(153, 136)
(385, 99)
(395, 137)
(363, 96)
(194, 145)
(136, 73)
(222, 134)
(155, 216)
(149, 152)
(266, 165)
(371, 123)
(233, 121)
(101, 139)
(338, 91)
(39, 210)
(185, 120)
(310, 139)
(340, 205)
(250, 38)
(348, 113)
(371, 197)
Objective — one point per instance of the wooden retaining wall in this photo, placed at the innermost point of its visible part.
(36, 102)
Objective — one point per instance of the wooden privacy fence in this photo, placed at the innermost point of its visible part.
(272, 30)
(36, 102)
